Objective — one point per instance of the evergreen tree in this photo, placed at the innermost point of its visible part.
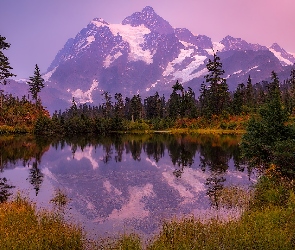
(136, 108)
(267, 139)
(292, 89)
(119, 106)
(249, 98)
(4, 64)
(215, 97)
(175, 101)
(36, 83)
(238, 99)
(107, 106)
(118, 112)
(154, 106)
(189, 107)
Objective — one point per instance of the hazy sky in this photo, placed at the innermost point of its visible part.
(38, 29)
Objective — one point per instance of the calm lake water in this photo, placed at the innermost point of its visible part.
(125, 182)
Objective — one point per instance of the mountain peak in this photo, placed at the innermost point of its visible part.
(99, 20)
(276, 47)
(148, 9)
(150, 19)
(232, 43)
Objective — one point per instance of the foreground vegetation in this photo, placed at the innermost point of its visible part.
(22, 226)
(267, 222)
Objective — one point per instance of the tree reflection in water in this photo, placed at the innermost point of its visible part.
(214, 152)
(5, 190)
(35, 177)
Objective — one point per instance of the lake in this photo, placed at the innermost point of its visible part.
(124, 183)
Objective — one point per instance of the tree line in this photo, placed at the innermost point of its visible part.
(181, 109)
(116, 113)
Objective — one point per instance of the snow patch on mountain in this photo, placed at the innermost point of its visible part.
(187, 45)
(48, 74)
(89, 40)
(22, 80)
(111, 58)
(216, 47)
(85, 42)
(135, 37)
(185, 74)
(255, 67)
(280, 57)
(237, 72)
(184, 53)
(86, 96)
(152, 86)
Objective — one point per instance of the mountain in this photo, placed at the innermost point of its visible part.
(145, 54)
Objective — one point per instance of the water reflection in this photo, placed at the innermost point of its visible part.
(128, 181)
(35, 176)
(5, 190)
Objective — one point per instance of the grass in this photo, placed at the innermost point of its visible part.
(267, 222)
(23, 227)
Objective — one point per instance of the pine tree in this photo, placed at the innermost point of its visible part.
(249, 98)
(238, 99)
(119, 106)
(4, 64)
(175, 101)
(215, 97)
(292, 89)
(36, 83)
(153, 106)
(107, 106)
(136, 108)
(189, 107)
(266, 137)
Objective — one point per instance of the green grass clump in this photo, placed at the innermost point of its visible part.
(23, 227)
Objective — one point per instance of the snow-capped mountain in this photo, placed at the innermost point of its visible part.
(145, 54)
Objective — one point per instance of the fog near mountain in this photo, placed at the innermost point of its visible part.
(145, 54)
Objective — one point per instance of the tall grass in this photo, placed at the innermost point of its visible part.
(267, 222)
(23, 227)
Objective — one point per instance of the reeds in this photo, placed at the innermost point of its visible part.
(23, 227)
(267, 222)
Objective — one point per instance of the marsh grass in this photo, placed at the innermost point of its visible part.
(267, 222)
(234, 197)
(125, 241)
(23, 227)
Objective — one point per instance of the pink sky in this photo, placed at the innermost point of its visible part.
(38, 29)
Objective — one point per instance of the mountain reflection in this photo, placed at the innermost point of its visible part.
(135, 179)
(111, 175)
